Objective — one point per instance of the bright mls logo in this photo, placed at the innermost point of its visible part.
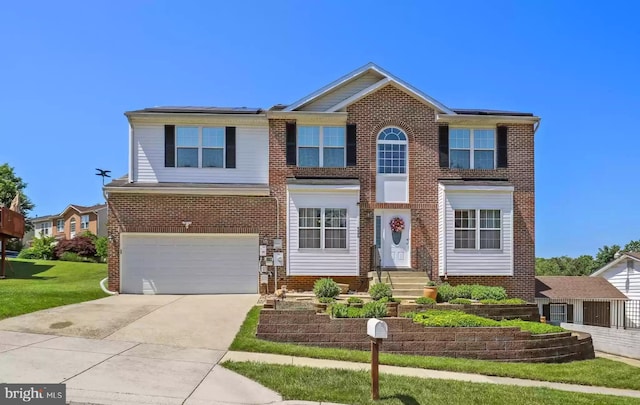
(44, 394)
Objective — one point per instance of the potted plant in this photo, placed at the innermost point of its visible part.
(430, 290)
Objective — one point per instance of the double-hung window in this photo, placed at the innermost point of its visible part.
(472, 148)
(322, 228)
(477, 229)
(44, 228)
(200, 146)
(321, 146)
(60, 225)
(84, 222)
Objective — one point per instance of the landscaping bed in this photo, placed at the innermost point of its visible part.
(510, 343)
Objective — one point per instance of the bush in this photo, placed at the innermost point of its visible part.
(508, 301)
(14, 244)
(464, 291)
(102, 248)
(480, 292)
(326, 287)
(444, 318)
(70, 257)
(43, 247)
(448, 318)
(460, 301)
(379, 291)
(27, 253)
(374, 309)
(446, 292)
(81, 245)
(425, 301)
(326, 300)
(338, 310)
(355, 300)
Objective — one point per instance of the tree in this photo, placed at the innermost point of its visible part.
(10, 185)
(632, 246)
(605, 255)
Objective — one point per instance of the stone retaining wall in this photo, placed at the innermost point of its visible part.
(526, 312)
(406, 337)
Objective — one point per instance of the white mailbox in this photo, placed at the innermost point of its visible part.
(377, 329)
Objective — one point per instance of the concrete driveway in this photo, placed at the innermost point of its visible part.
(133, 349)
(195, 321)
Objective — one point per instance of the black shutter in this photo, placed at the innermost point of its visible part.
(502, 146)
(351, 145)
(230, 147)
(169, 146)
(546, 311)
(443, 141)
(570, 313)
(291, 143)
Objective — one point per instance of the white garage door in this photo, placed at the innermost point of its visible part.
(189, 264)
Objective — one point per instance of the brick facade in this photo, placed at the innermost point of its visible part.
(385, 107)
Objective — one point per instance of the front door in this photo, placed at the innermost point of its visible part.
(393, 237)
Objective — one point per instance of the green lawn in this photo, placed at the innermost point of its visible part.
(32, 285)
(599, 372)
(353, 387)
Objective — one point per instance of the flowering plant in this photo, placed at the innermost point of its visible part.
(397, 224)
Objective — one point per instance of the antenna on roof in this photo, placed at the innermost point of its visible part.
(103, 173)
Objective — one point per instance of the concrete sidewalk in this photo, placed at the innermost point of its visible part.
(424, 373)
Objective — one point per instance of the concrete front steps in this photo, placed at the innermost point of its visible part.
(404, 283)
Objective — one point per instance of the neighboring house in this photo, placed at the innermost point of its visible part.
(74, 220)
(624, 274)
(366, 162)
(580, 300)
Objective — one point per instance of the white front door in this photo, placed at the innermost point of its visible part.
(393, 237)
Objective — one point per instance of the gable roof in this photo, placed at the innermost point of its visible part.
(576, 287)
(81, 209)
(623, 257)
(386, 78)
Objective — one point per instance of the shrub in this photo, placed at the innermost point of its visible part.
(70, 257)
(27, 253)
(508, 301)
(14, 244)
(355, 300)
(409, 315)
(389, 299)
(448, 318)
(43, 247)
(326, 287)
(480, 292)
(460, 301)
(81, 245)
(102, 248)
(425, 301)
(374, 309)
(446, 292)
(444, 318)
(379, 291)
(90, 235)
(338, 310)
(464, 291)
(326, 300)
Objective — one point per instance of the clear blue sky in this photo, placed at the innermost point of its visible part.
(68, 71)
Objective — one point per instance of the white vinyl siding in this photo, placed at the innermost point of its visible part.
(252, 159)
(626, 283)
(189, 263)
(475, 262)
(342, 92)
(616, 309)
(323, 262)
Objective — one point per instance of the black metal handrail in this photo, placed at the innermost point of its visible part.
(375, 262)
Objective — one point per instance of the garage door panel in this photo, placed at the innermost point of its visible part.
(189, 264)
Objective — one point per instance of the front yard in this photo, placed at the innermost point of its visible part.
(353, 387)
(32, 285)
(597, 372)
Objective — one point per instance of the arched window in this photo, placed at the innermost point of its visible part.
(392, 151)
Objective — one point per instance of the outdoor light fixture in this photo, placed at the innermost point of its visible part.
(186, 224)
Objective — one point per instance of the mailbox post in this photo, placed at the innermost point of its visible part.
(377, 330)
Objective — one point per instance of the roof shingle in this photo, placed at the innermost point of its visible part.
(576, 287)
